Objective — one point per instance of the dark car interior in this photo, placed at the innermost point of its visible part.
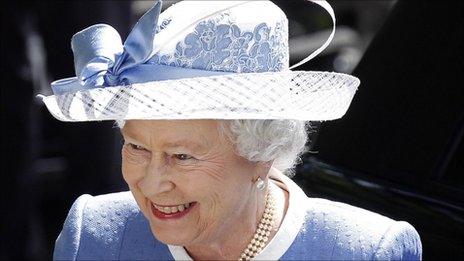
(399, 149)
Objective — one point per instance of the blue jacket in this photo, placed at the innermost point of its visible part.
(111, 227)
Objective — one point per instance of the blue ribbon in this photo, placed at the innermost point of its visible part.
(101, 60)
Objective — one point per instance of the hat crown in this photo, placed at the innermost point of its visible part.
(193, 64)
(224, 36)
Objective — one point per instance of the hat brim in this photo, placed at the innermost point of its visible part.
(300, 95)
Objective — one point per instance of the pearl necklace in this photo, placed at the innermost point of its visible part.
(261, 236)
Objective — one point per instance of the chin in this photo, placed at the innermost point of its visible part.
(170, 237)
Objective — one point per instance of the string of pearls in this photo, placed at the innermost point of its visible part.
(261, 236)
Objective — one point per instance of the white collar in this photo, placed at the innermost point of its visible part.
(288, 229)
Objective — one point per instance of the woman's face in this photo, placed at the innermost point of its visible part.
(186, 178)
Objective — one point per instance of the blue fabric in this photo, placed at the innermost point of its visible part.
(108, 227)
(111, 227)
(223, 46)
(139, 74)
(99, 56)
(337, 231)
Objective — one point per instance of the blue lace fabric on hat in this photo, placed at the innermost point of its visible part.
(225, 47)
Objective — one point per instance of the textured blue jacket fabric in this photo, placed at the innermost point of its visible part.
(111, 227)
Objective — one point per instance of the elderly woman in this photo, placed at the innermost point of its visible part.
(213, 122)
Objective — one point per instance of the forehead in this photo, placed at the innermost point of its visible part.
(173, 133)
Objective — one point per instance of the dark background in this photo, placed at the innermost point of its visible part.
(398, 151)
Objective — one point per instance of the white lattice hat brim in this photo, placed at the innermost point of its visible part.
(300, 95)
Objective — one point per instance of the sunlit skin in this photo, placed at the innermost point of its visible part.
(181, 161)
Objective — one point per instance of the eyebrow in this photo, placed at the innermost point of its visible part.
(170, 144)
(183, 143)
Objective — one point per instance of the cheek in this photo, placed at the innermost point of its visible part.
(133, 167)
(222, 185)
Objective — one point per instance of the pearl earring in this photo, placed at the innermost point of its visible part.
(260, 184)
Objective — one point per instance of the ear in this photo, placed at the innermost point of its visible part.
(263, 168)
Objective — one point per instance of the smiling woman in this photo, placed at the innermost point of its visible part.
(210, 179)
(213, 118)
(185, 187)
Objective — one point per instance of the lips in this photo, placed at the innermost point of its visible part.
(171, 211)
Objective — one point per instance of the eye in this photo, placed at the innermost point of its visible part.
(137, 147)
(183, 157)
(135, 154)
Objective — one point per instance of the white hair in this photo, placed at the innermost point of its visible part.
(278, 141)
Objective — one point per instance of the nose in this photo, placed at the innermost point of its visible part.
(156, 179)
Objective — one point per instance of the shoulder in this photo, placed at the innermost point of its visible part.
(347, 232)
(107, 226)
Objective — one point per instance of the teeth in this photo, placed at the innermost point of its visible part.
(171, 210)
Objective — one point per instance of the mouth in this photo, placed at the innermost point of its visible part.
(171, 211)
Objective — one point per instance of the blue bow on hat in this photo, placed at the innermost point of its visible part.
(101, 60)
(100, 57)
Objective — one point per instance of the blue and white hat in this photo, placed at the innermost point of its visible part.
(198, 60)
